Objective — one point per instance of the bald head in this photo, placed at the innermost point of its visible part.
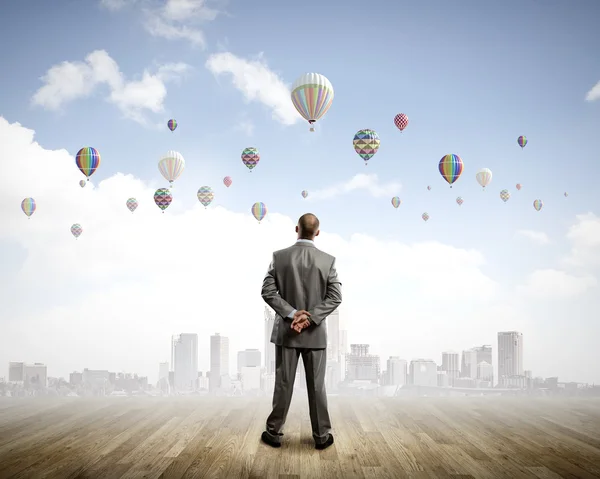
(308, 226)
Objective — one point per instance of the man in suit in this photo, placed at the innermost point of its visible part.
(303, 288)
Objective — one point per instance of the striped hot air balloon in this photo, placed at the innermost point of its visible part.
(312, 95)
(450, 167)
(88, 161)
(259, 211)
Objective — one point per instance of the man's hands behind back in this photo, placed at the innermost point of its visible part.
(301, 320)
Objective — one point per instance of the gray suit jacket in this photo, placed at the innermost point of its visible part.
(302, 277)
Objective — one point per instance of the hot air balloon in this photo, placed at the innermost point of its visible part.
(401, 121)
(537, 204)
(566, 194)
(459, 200)
(519, 186)
(451, 167)
(76, 230)
(522, 141)
(132, 204)
(504, 195)
(163, 198)
(304, 193)
(227, 181)
(88, 161)
(28, 206)
(484, 177)
(82, 183)
(172, 124)
(366, 143)
(396, 202)
(425, 216)
(250, 157)
(259, 211)
(428, 188)
(312, 95)
(205, 195)
(171, 166)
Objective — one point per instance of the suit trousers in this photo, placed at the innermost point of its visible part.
(286, 363)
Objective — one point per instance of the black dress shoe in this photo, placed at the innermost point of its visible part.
(267, 440)
(326, 444)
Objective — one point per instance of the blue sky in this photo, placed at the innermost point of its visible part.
(470, 77)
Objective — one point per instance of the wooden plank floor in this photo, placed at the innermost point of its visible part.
(374, 438)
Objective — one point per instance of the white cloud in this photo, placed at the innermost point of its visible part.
(538, 237)
(594, 93)
(148, 275)
(584, 236)
(368, 182)
(257, 83)
(70, 81)
(553, 284)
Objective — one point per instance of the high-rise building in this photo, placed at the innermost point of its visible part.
(510, 355)
(485, 371)
(333, 336)
(219, 361)
(250, 376)
(468, 367)
(248, 358)
(396, 371)
(269, 346)
(360, 365)
(36, 375)
(423, 372)
(184, 360)
(16, 371)
(163, 376)
(484, 353)
(343, 352)
(450, 364)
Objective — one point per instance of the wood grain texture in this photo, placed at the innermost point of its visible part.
(391, 438)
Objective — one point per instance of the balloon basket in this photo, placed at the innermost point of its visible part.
(312, 130)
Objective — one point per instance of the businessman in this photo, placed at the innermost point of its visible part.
(303, 288)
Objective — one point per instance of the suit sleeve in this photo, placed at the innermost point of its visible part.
(271, 296)
(333, 297)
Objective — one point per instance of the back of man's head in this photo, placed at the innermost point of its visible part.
(308, 226)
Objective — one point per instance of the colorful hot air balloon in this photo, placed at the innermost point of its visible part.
(28, 206)
(205, 195)
(428, 188)
(132, 204)
(227, 181)
(451, 167)
(259, 211)
(522, 141)
(519, 186)
(312, 95)
(459, 200)
(250, 157)
(425, 216)
(163, 198)
(401, 121)
(366, 143)
(396, 202)
(171, 166)
(172, 124)
(76, 230)
(566, 194)
(504, 195)
(537, 204)
(304, 193)
(82, 183)
(87, 160)
(484, 177)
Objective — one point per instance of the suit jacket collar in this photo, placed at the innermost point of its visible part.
(305, 242)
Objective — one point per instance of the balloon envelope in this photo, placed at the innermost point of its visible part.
(425, 216)
(28, 206)
(250, 157)
(450, 167)
(484, 177)
(132, 204)
(227, 181)
(504, 195)
(459, 200)
(401, 121)
(304, 193)
(538, 204)
(259, 210)
(519, 186)
(76, 230)
(163, 198)
(366, 143)
(82, 183)
(172, 124)
(87, 160)
(312, 95)
(171, 165)
(396, 201)
(205, 195)
(522, 141)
